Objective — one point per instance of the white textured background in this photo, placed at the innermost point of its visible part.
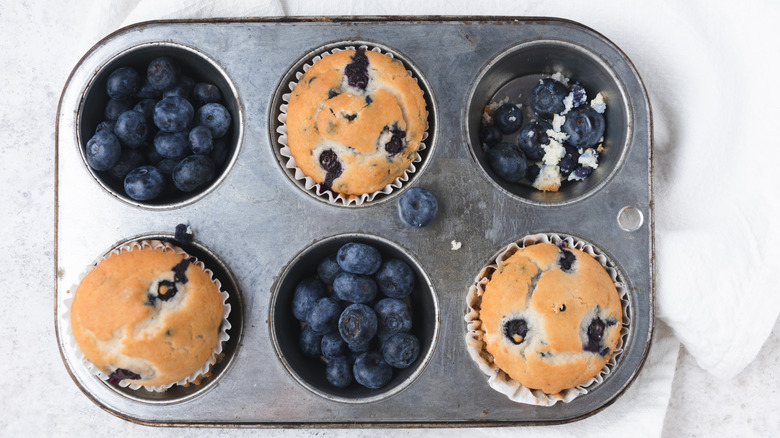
(40, 43)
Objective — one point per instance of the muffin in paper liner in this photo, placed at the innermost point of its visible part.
(498, 379)
(196, 376)
(309, 184)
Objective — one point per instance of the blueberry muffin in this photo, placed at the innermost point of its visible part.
(148, 314)
(551, 317)
(355, 121)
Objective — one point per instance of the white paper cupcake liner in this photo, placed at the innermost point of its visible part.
(134, 246)
(499, 380)
(308, 183)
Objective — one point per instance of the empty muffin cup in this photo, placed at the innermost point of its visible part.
(511, 78)
(310, 370)
(147, 339)
(99, 112)
(357, 111)
(549, 293)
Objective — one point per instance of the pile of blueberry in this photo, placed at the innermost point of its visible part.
(356, 317)
(562, 115)
(162, 131)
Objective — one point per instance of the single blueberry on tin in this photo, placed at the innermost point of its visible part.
(418, 207)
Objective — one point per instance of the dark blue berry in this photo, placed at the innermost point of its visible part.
(201, 142)
(330, 162)
(323, 316)
(115, 107)
(328, 269)
(166, 166)
(594, 334)
(151, 153)
(307, 292)
(131, 129)
(215, 117)
(338, 372)
(128, 160)
(310, 342)
(144, 183)
(162, 73)
(120, 374)
(173, 145)
(357, 324)
(204, 93)
(579, 97)
(146, 91)
(516, 330)
(182, 89)
(146, 107)
(354, 288)
(584, 126)
(490, 135)
(547, 98)
(359, 258)
(357, 70)
(508, 118)
(371, 371)
(582, 172)
(193, 172)
(532, 138)
(106, 125)
(393, 316)
(532, 172)
(183, 234)
(396, 143)
(418, 207)
(569, 161)
(566, 260)
(400, 350)
(103, 151)
(508, 161)
(173, 114)
(395, 278)
(122, 83)
(356, 348)
(333, 345)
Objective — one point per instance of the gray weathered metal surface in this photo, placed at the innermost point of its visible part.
(256, 220)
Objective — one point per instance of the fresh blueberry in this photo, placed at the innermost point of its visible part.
(338, 372)
(508, 118)
(418, 207)
(532, 139)
(173, 145)
(401, 350)
(182, 89)
(106, 125)
(131, 129)
(323, 316)
(357, 70)
(310, 342)
(354, 288)
(162, 73)
(166, 167)
(200, 140)
(395, 278)
(204, 93)
(103, 151)
(362, 347)
(128, 160)
(359, 258)
(173, 114)
(146, 91)
(516, 330)
(357, 324)
(146, 107)
(547, 97)
(193, 172)
(508, 161)
(393, 316)
(333, 345)
(122, 83)
(569, 161)
(150, 153)
(371, 371)
(115, 107)
(307, 292)
(144, 183)
(490, 135)
(328, 269)
(215, 117)
(584, 126)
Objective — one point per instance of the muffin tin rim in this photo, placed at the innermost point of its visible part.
(80, 142)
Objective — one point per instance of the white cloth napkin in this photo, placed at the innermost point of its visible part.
(708, 68)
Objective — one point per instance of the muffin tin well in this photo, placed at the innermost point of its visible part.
(265, 227)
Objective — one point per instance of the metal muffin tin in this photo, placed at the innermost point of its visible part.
(255, 223)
